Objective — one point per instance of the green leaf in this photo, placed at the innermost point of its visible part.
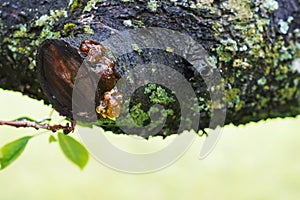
(73, 150)
(52, 139)
(11, 151)
(32, 120)
(83, 124)
(46, 119)
(24, 118)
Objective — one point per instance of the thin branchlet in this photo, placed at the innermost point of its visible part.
(30, 124)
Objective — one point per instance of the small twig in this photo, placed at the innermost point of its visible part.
(203, 133)
(25, 123)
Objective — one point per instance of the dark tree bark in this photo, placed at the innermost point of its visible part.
(255, 47)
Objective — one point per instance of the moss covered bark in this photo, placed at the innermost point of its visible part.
(254, 43)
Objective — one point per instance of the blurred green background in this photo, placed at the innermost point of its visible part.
(259, 161)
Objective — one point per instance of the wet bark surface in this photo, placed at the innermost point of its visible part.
(260, 81)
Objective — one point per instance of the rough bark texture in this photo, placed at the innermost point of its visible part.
(254, 44)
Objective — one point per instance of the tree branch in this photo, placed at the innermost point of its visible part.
(254, 45)
(27, 124)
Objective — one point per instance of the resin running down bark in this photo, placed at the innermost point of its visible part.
(254, 46)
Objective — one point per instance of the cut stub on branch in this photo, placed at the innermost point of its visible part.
(58, 63)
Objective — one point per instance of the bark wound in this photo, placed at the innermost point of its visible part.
(58, 64)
